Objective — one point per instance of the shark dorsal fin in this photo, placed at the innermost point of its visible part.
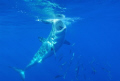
(41, 39)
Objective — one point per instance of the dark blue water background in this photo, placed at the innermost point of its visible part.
(96, 39)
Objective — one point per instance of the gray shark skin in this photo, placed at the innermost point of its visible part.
(49, 45)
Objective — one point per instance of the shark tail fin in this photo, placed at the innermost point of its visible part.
(20, 71)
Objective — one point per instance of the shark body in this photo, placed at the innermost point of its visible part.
(49, 45)
(52, 43)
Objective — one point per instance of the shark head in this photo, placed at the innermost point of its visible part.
(58, 22)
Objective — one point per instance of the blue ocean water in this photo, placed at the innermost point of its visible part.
(94, 53)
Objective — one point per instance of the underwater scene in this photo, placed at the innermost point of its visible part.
(59, 40)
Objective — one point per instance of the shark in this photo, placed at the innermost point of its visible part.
(50, 45)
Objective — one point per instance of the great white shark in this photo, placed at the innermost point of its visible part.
(49, 46)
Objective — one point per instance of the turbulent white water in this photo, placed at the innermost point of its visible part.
(44, 8)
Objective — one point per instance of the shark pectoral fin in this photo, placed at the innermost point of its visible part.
(66, 42)
(41, 39)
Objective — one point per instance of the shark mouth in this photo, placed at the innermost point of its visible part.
(59, 28)
(59, 25)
